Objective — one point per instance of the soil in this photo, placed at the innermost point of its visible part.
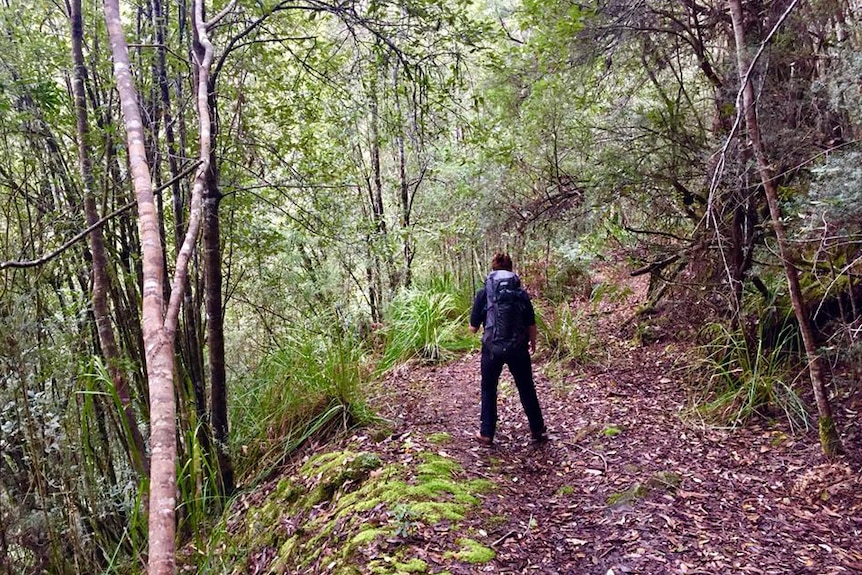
(631, 481)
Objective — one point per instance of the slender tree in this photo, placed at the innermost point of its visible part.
(829, 439)
(159, 318)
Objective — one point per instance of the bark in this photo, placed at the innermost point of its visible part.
(212, 263)
(159, 318)
(215, 330)
(101, 284)
(829, 439)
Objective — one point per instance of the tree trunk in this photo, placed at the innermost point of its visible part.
(158, 343)
(160, 320)
(135, 447)
(829, 439)
(212, 256)
(215, 330)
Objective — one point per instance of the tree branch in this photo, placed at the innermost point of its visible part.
(19, 264)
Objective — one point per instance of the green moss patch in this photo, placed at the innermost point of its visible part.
(565, 490)
(473, 552)
(339, 509)
(440, 438)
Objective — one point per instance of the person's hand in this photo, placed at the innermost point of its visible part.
(473, 329)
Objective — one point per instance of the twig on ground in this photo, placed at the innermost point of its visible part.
(503, 538)
(591, 452)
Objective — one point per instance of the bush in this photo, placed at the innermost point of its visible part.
(748, 379)
(425, 324)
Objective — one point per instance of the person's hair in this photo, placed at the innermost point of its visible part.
(501, 261)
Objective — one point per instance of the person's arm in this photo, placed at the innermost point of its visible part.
(530, 320)
(477, 314)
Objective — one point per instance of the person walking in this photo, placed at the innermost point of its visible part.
(508, 338)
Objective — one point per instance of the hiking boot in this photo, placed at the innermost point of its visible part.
(485, 441)
(539, 436)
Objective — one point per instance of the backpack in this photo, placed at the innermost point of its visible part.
(504, 316)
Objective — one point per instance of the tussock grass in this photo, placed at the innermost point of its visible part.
(425, 324)
(308, 385)
(747, 379)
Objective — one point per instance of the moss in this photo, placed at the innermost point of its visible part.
(414, 565)
(612, 430)
(368, 535)
(497, 521)
(437, 465)
(334, 472)
(285, 553)
(435, 511)
(829, 441)
(440, 438)
(633, 493)
(481, 485)
(287, 491)
(345, 501)
(565, 490)
(473, 552)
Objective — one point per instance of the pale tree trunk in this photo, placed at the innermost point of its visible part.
(160, 320)
(829, 439)
(135, 442)
(212, 257)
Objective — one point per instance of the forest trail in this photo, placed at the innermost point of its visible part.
(626, 484)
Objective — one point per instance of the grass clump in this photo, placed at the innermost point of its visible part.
(425, 324)
(748, 379)
(306, 387)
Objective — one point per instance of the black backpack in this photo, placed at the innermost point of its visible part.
(504, 315)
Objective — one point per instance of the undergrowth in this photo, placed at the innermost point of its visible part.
(309, 384)
(747, 379)
(428, 324)
(567, 335)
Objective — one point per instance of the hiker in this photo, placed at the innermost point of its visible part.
(509, 337)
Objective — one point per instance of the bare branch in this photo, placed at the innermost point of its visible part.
(20, 264)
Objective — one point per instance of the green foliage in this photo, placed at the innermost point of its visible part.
(425, 324)
(747, 379)
(566, 334)
(310, 382)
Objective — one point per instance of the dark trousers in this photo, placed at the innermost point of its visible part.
(521, 368)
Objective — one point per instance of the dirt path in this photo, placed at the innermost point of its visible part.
(628, 485)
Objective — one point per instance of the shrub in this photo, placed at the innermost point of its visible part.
(747, 378)
(425, 324)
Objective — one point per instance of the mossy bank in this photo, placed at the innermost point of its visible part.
(355, 511)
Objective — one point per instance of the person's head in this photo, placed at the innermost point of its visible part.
(501, 261)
